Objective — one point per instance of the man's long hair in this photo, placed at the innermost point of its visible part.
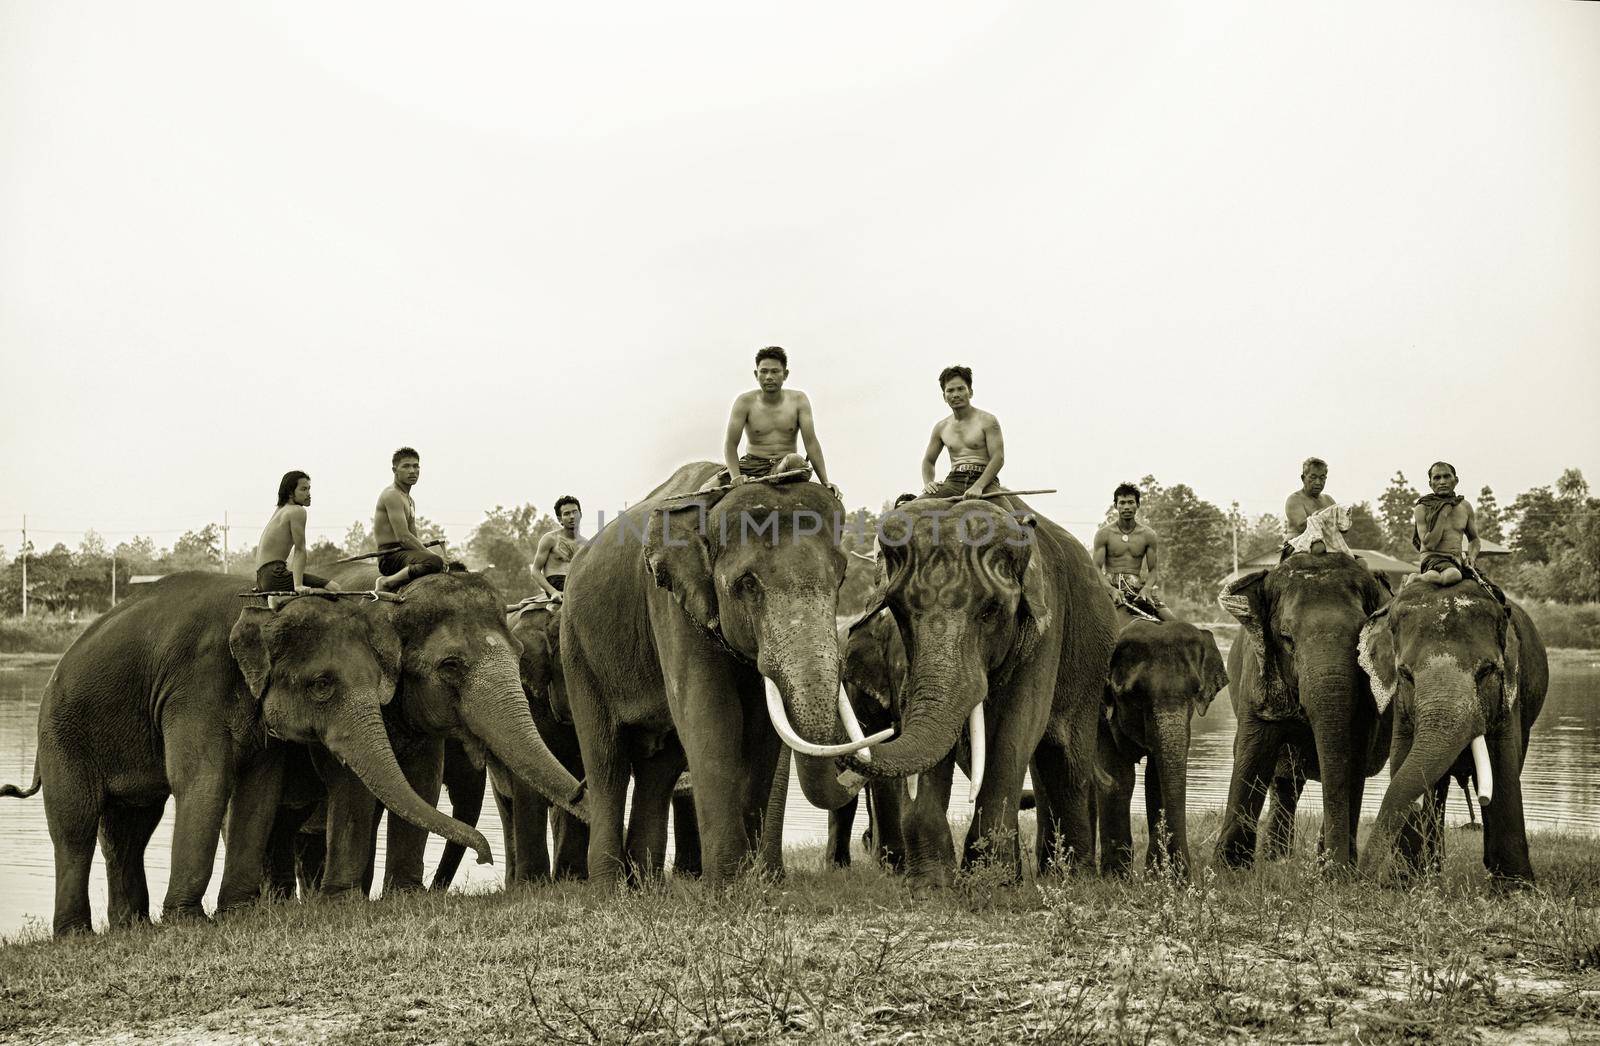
(287, 484)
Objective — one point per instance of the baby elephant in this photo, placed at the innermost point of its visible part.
(1161, 673)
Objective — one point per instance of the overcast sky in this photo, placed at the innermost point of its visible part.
(542, 243)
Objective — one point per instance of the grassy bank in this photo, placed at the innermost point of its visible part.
(1277, 954)
(1575, 625)
(40, 633)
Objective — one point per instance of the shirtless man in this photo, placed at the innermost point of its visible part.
(1441, 520)
(769, 418)
(394, 525)
(553, 558)
(972, 436)
(1124, 546)
(1308, 499)
(281, 555)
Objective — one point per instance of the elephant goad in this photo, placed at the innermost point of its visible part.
(176, 692)
(1304, 708)
(698, 628)
(459, 678)
(1466, 677)
(1008, 636)
(524, 813)
(1162, 673)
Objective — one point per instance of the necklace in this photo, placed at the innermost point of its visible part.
(1126, 534)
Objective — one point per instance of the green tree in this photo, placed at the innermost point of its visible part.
(1196, 544)
(1262, 537)
(1365, 530)
(1536, 518)
(140, 555)
(1487, 514)
(1395, 508)
(195, 550)
(357, 540)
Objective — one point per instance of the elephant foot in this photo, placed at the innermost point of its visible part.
(186, 913)
(73, 928)
(932, 877)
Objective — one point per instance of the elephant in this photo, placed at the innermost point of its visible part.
(523, 811)
(698, 631)
(459, 678)
(1007, 632)
(181, 692)
(1466, 675)
(1304, 708)
(874, 681)
(1162, 673)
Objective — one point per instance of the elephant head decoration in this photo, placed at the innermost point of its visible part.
(1466, 675)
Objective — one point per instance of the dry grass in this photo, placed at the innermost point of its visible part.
(1280, 953)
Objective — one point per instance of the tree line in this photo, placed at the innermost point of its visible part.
(1553, 532)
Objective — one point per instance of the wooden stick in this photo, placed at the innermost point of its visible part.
(385, 552)
(994, 494)
(387, 597)
(792, 473)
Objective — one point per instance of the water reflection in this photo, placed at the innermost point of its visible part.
(1561, 789)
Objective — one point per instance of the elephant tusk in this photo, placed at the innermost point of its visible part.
(911, 786)
(980, 751)
(780, 723)
(852, 725)
(1482, 771)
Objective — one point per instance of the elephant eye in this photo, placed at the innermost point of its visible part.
(1405, 673)
(1486, 670)
(1286, 639)
(322, 686)
(746, 584)
(453, 663)
(989, 610)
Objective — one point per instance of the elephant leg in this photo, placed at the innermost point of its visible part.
(930, 851)
(279, 874)
(885, 800)
(465, 783)
(251, 814)
(569, 841)
(606, 774)
(1505, 832)
(1116, 817)
(771, 846)
(841, 823)
(125, 831)
(993, 834)
(764, 804)
(311, 851)
(523, 813)
(686, 856)
(200, 770)
(1162, 849)
(713, 733)
(423, 765)
(1288, 783)
(1255, 755)
(73, 810)
(653, 781)
(1065, 811)
(350, 832)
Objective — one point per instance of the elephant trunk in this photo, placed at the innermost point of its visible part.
(359, 740)
(495, 709)
(1170, 756)
(805, 700)
(930, 723)
(1447, 722)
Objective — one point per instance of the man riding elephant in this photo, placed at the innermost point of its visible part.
(1008, 635)
(180, 692)
(699, 629)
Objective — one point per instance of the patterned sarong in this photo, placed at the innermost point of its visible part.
(1130, 588)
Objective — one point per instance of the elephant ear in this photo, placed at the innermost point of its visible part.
(1375, 655)
(875, 602)
(385, 643)
(1036, 595)
(1246, 599)
(1513, 663)
(248, 643)
(678, 558)
(1210, 672)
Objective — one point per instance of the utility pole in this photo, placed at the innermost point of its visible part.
(24, 567)
(113, 577)
(1233, 520)
(224, 541)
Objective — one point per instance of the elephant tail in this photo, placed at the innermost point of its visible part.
(18, 793)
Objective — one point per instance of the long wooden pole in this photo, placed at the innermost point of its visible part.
(375, 555)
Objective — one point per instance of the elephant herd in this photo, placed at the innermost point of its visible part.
(700, 634)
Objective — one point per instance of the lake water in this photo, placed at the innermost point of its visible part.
(1561, 786)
